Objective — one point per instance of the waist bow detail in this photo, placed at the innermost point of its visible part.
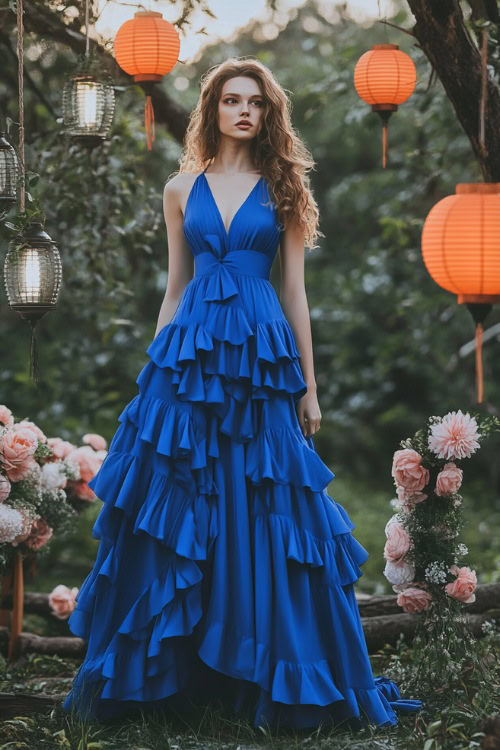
(221, 266)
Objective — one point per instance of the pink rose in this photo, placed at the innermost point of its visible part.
(40, 534)
(87, 460)
(397, 544)
(409, 499)
(33, 427)
(60, 447)
(62, 601)
(6, 417)
(449, 479)
(463, 586)
(95, 441)
(4, 488)
(414, 599)
(407, 470)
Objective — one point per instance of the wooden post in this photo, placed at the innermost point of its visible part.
(4, 592)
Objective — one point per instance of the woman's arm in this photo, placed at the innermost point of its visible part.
(293, 300)
(180, 257)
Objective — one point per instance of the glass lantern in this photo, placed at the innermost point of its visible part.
(88, 102)
(9, 173)
(33, 273)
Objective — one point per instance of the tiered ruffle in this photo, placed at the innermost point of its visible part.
(168, 516)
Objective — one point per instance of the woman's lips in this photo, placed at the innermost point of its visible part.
(244, 127)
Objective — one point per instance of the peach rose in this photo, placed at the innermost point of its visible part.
(407, 470)
(83, 491)
(6, 416)
(23, 470)
(397, 544)
(87, 460)
(4, 488)
(60, 447)
(414, 599)
(33, 427)
(449, 479)
(62, 601)
(17, 448)
(97, 442)
(40, 534)
(463, 586)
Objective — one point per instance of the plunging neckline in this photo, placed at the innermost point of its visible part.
(228, 231)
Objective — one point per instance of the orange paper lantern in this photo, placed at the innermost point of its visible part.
(147, 47)
(385, 77)
(460, 249)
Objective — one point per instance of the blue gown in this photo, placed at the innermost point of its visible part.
(224, 569)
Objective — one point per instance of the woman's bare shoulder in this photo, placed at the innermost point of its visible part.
(177, 188)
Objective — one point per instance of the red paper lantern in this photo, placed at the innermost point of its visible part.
(460, 248)
(385, 77)
(147, 47)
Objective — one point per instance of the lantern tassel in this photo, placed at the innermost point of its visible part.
(34, 368)
(149, 122)
(384, 144)
(479, 362)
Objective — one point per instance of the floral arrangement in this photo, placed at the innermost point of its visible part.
(421, 549)
(43, 484)
(62, 601)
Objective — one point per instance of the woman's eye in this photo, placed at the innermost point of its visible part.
(231, 99)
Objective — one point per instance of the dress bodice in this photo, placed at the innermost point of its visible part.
(254, 226)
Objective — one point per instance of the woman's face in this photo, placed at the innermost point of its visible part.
(240, 100)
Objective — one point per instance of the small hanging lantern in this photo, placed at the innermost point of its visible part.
(9, 174)
(384, 77)
(460, 241)
(32, 278)
(147, 47)
(88, 107)
(88, 98)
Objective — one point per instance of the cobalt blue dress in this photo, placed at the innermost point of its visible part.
(224, 569)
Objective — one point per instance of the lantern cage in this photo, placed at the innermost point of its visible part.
(9, 173)
(32, 273)
(88, 103)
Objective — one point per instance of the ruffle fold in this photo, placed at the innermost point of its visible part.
(205, 357)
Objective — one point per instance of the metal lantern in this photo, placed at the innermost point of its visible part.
(9, 173)
(32, 277)
(88, 107)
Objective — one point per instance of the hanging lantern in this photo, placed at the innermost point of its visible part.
(9, 174)
(385, 77)
(88, 105)
(32, 278)
(147, 47)
(460, 248)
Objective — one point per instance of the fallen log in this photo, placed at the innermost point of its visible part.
(38, 644)
(487, 597)
(23, 704)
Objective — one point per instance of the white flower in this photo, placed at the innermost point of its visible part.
(11, 523)
(53, 476)
(399, 572)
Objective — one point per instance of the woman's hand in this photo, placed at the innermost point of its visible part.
(309, 413)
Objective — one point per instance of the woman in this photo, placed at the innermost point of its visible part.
(225, 570)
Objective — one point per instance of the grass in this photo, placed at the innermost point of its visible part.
(446, 722)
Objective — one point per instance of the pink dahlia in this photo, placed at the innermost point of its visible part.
(456, 436)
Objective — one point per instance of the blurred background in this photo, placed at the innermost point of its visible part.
(391, 348)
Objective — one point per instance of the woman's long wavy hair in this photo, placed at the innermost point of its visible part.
(277, 152)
